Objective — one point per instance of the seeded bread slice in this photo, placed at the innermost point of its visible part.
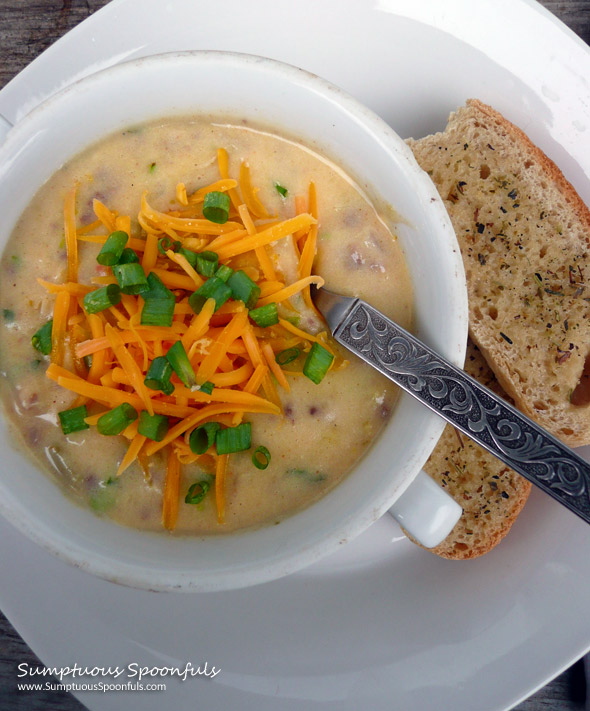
(492, 495)
(524, 235)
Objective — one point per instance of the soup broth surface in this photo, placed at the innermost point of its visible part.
(325, 428)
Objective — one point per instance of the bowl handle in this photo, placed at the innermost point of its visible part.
(426, 511)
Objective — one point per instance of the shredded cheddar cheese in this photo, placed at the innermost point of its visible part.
(225, 350)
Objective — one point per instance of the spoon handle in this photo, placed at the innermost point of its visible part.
(466, 404)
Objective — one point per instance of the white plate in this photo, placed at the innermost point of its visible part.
(382, 624)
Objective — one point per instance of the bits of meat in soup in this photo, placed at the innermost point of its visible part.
(307, 436)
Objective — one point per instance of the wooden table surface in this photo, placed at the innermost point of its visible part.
(27, 27)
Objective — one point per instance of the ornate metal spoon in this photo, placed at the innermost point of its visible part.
(459, 399)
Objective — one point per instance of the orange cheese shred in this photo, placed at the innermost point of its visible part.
(291, 290)
(219, 347)
(199, 324)
(250, 198)
(221, 186)
(171, 491)
(129, 365)
(275, 368)
(106, 217)
(131, 455)
(182, 262)
(71, 238)
(223, 164)
(267, 236)
(220, 474)
(60, 323)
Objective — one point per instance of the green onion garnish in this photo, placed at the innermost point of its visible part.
(181, 365)
(152, 167)
(116, 420)
(158, 290)
(213, 288)
(113, 248)
(8, 315)
(128, 256)
(203, 437)
(244, 289)
(103, 298)
(265, 315)
(287, 356)
(206, 387)
(281, 190)
(234, 439)
(317, 363)
(158, 376)
(224, 272)
(261, 457)
(216, 207)
(42, 339)
(153, 427)
(131, 278)
(166, 243)
(207, 263)
(158, 308)
(189, 255)
(157, 312)
(73, 420)
(196, 492)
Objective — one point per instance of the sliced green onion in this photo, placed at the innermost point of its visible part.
(265, 315)
(181, 365)
(281, 190)
(116, 420)
(224, 272)
(42, 339)
(157, 312)
(131, 278)
(166, 243)
(73, 420)
(103, 298)
(8, 315)
(213, 288)
(113, 248)
(216, 207)
(244, 289)
(295, 320)
(189, 255)
(158, 290)
(152, 167)
(158, 308)
(234, 439)
(203, 437)
(158, 375)
(206, 387)
(261, 457)
(197, 492)
(317, 363)
(154, 427)
(207, 263)
(287, 356)
(128, 256)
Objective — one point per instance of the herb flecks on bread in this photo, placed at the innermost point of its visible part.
(524, 235)
(492, 495)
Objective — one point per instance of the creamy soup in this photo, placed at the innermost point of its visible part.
(321, 430)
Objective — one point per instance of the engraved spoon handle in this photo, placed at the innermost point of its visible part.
(461, 400)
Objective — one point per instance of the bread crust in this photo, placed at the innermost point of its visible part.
(524, 235)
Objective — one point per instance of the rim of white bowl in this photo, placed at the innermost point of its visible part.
(135, 574)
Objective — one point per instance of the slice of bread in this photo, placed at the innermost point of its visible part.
(524, 234)
(491, 494)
